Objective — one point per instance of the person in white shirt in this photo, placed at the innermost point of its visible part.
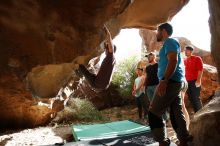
(138, 92)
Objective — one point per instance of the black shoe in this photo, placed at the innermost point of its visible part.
(186, 142)
(165, 142)
(81, 70)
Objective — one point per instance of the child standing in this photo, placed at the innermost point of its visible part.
(138, 92)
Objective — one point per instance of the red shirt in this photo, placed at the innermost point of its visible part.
(193, 65)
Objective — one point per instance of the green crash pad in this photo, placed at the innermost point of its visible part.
(107, 130)
(120, 133)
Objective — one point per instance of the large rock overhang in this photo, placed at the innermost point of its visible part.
(50, 32)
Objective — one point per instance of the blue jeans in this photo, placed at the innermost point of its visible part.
(150, 92)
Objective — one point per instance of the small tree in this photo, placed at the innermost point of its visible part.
(124, 75)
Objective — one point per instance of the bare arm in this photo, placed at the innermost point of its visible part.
(134, 91)
(134, 87)
(199, 79)
(109, 40)
(141, 85)
(200, 72)
(143, 82)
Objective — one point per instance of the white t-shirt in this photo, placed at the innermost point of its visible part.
(138, 84)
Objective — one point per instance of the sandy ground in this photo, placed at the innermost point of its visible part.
(37, 136)
(59, 133)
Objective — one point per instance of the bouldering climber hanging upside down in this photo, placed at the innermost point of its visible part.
(102, 79)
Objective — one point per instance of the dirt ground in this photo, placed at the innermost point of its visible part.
(61, 133)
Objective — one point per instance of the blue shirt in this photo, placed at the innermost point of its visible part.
(171, 45)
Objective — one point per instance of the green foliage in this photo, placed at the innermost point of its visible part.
(80, 110)
(124, 75)
(86, 110)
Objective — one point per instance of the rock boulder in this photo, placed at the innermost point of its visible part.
(205, 124)
(46, 81)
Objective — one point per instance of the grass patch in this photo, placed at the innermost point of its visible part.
(87, 111)
(79, 111)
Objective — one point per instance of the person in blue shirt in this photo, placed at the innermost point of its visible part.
(168, 92)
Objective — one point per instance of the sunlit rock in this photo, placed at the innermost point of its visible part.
(214, 23)
(209, 82)
(45, 32)
(18, 108)
(46, 81)
(205, 124)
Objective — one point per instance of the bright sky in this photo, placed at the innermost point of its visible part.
(191, 22)
(128, 43)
